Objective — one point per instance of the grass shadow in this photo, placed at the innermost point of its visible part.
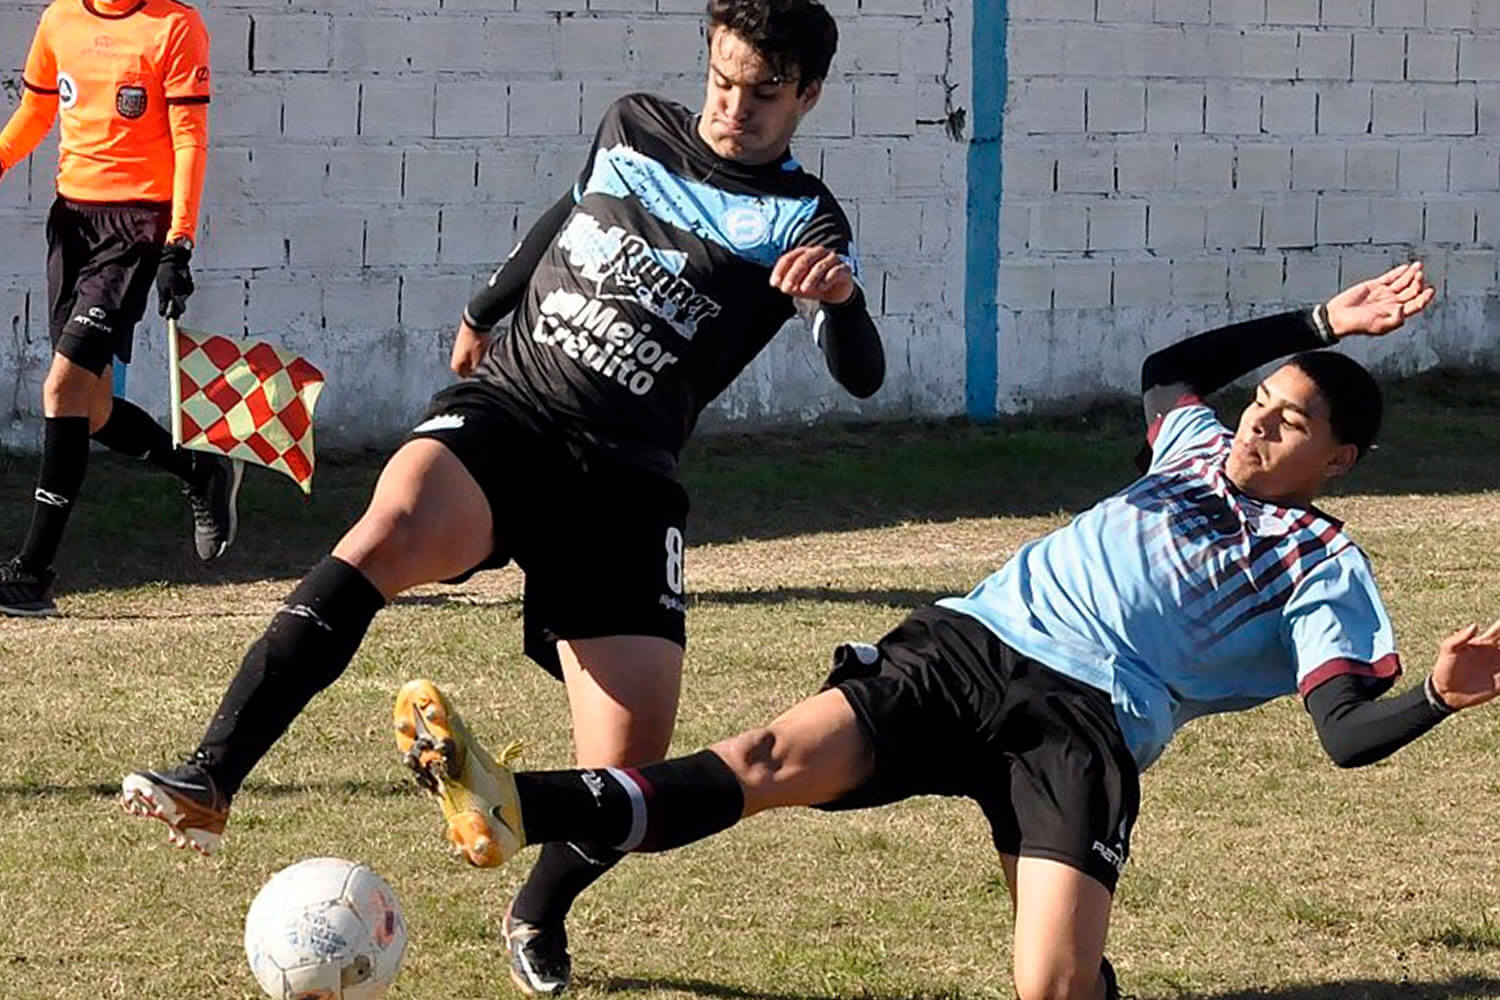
(107, 790)
(1344, 989)
(131, 526)
(899, 598)
(1360, 989)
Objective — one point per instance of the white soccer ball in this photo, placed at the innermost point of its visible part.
(325, 929)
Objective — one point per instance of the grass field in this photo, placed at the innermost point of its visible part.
(1259, 870)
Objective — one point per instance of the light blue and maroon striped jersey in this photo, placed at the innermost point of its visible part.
(1180, 596)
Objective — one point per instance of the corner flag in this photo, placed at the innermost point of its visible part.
(244, 399)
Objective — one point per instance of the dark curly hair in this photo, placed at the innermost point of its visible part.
(797, 38)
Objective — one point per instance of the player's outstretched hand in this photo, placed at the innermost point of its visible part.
(816, 273)
(1467, 672)
(1378, 306)
(468, 350)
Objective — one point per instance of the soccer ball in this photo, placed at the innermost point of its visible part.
(325, 929)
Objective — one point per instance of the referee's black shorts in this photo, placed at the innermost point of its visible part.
(601, 542)
(101, 262)
(950, 709)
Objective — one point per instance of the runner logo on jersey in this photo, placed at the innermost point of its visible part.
(624, 266)
(130, 101)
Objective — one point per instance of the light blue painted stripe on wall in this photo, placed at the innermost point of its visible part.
(120, 368)
(982, 236)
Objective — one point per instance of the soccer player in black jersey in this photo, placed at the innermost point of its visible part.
(1210, 584)
(685, 245)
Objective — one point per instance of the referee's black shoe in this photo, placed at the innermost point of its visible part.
(213, 492)
(24, 592)
(539, 961)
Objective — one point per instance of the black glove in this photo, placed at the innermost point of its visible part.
(174, 282)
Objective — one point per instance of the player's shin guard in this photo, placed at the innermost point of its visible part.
(131, 431)
(65, 457)
(652, 808)
(309, 642)
(561, 873)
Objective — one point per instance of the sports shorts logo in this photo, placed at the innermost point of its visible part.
(746, 226)
(441, 422)
(130, 101)
(67, 91)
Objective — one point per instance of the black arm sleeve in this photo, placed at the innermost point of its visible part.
(1356, 729)
(850, 342)
(1208, 362)
(499, 298)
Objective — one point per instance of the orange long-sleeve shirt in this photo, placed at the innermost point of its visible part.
(131, 80)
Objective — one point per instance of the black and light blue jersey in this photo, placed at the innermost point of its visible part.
(1181, 596)
(656, 291)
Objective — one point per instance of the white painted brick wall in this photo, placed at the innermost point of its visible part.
(371, 162)
(1167, 164)
(1263, 152)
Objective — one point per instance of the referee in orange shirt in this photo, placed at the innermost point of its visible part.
(131, 78)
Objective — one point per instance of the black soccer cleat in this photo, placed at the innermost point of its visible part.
(539, 961)
(186, 798)
(213, 492)
(26, 593)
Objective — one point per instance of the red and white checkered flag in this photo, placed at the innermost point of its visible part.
(245, 399)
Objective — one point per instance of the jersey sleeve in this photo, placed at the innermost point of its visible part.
(185, 73)
(1186, 430)
(40, 75)
(829, 227)
(1335, 624)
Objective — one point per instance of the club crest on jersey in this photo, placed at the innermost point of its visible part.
(130, 101)
(623, 266)
(746, 226)
(67, 91)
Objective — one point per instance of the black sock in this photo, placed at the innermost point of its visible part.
(131, 431)
(559, 877)
(652, 808)
(65, 457)
(309, 642)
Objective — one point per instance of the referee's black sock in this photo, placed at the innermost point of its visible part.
(560, 875)
(65, 457)
(131, 431)
(311, 639)
(652, 808)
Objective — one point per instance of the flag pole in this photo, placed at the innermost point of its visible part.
(174, 380)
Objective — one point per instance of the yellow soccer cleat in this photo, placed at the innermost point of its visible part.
(477, 791)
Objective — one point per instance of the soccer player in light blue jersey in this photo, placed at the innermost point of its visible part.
(1210, 584)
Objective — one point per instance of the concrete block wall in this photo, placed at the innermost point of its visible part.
(372, 161)
(1176, 164)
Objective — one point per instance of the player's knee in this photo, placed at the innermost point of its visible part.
(67, 391)
(756, 757)
(382, 542)
(1052, 980)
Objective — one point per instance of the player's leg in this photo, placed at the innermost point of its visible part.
(622, 695)
(210, 482)
(407, 536)
(816, 752)
(606, 612)
(1061, 816)
(1061, 924)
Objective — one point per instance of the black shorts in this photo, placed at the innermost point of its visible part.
(101, 262)
(601, 542)
(950, 709)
